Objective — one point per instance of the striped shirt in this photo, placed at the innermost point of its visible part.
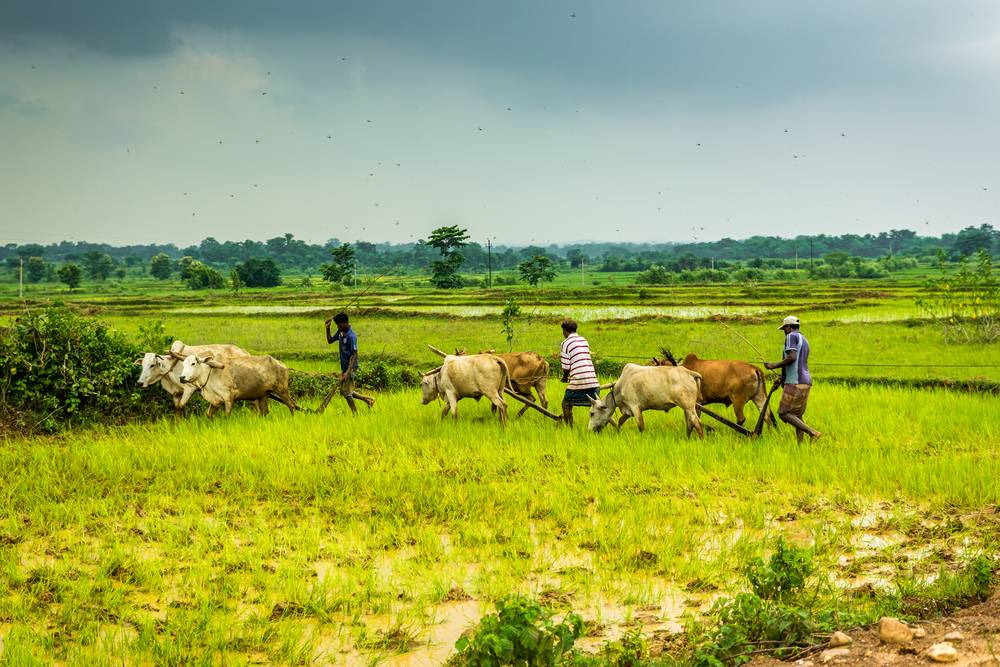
(575, 357)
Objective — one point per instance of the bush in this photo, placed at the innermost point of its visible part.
(522, 632)
(258, 272)
(200, 276)
(58, 369)
(655, 275)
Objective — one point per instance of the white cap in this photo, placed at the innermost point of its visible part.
(791, 319)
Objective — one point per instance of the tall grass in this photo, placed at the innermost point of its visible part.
(293, 538)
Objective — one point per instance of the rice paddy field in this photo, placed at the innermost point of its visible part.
(380, 538)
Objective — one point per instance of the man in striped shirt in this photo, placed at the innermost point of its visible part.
(578, 370)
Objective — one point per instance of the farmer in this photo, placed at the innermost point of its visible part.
(796, 379)
(348, 360)
(578, 370)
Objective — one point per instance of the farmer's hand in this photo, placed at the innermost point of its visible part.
(565, 377)
(328, 321)
(769, 365)
(343, 377)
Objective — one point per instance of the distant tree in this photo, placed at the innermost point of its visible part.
(536, 270)
(98, 265)
(973, 239)
(449, 242)
(836, 259)
(235, 282)
(161, 266)
(30, 250)
(35, 269)
(200, 276)
(121, 272)
(259, 272)
(132, 261)
(575, 258)
(342, 266)
(184, 265)
(70, 274)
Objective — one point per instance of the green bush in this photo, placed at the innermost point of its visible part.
(521, 632)
(59, 369)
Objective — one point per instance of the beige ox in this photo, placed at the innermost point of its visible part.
(528, 370)
(166, 368)
(226, 380)
(641, 388)
(725, 381)
(467, 376)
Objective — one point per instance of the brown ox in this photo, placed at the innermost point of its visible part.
(725, 381)
(528, 370)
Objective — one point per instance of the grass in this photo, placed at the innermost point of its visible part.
(332, 538)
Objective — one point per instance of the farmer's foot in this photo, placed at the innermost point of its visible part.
(371, 403)
(815, 436)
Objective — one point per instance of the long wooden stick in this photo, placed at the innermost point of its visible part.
(731, 424)
(531, 404)
(759, 428)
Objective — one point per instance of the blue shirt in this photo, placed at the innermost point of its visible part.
(348, 347)
(798, 371)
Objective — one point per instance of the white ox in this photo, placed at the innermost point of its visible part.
(468, 376)
(641, 388)
(225, 380)
(166, 368)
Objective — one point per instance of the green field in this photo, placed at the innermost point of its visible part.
(380, 538)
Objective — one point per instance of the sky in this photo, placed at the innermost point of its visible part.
(131, 121)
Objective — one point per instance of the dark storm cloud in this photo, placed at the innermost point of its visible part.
(750, 49)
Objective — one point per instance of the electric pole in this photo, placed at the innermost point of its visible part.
(20, 280)
(810, 254)
(489, 263)
(583, 277)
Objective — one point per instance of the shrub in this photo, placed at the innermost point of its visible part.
(521, 632)
(200, 276)
(59, 369)
(259, 272)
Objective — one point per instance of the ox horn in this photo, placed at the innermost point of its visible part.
(215, 364)
(176, 355)
(440, 353)
(668, 357)
(432, 372)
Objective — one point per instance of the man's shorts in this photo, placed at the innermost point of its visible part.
(793, 399)
(580, 396)
(347, 386)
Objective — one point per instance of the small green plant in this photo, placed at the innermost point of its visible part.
(153, 336)
(236, 283)
(521, 632)
(511, 310)
(784, 574)
(966, 303)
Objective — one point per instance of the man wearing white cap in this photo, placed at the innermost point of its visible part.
(796, 379)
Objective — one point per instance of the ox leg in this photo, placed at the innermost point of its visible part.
(624, 418)
(738, 404)
(262, 406)
(499, 405)
(524, 408)
(211, 410)
(186, 395)
(445, 410)
(229, 408)
(639, 421)
(693, 421)
(542, 398)
(759, 400)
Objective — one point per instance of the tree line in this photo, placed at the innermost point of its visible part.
(448, 252)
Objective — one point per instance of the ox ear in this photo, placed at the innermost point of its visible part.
(215, 364)
(138, 362)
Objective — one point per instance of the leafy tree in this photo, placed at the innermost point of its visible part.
(98, 265)
(259, 272)
(836, 259)
(36, 268)
(184, 265)
(121, 272)
(536, 270)
(70, 274)
(449, 242)
(161, 266)
(973, 239)
(342, 266)
(575, 258)
(511, 310)
(200, 276)
(236, 283)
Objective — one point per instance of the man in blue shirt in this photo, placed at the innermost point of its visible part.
(348, 360)
(796, 379)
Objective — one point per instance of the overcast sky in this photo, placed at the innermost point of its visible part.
(532, 122)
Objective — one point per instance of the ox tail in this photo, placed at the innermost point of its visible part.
(667, 356)
(506, 374)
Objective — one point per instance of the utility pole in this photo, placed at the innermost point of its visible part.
(355, 276)
(20, 281)
(796, 259)
(713, 264)
(489, 262)
(583, 276)
(810, 254)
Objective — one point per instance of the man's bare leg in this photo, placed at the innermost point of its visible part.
(567, 414)
(370, 402)
(351, 405)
